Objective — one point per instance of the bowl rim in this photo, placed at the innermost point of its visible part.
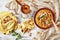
(53, 13)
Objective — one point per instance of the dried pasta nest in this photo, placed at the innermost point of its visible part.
(8, 22)
(26, 26)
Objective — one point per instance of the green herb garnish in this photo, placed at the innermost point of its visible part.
(18, 37)
(48, 21)
(43, 15)
(16, 34)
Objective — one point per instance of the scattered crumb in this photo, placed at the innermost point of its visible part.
(30, 34)
(38, 32)
(35, 38)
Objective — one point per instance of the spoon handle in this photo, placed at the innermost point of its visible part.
(18, 2)
(56, 28)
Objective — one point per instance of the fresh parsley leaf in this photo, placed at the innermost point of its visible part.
(19, 36)
(17, 39)
(14, 33)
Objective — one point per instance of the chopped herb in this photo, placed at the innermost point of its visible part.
(19, 36)
(48, 21)
(39, 18)
(17, 39)
(16, 34)
(42, 16)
